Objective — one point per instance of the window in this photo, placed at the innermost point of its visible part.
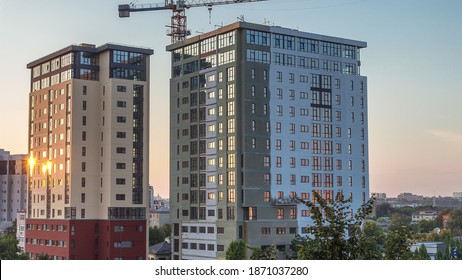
(279, 76)
(292, 128)
(278, 127)
(278, 179)
(120, 150)
(121, 88)
(279, 110)
(291, 78)
(280, 214)
(278, 144)
(266, 161)
(121, 119)
(121, 104)
(278, 161)
(120, 196)
(120, 165)
(120, 181)
(292, 145)
(121, 134)
(266, 196)
(293, 213)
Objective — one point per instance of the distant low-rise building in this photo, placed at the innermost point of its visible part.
(379, 195)
(160, 251)
(410, 197)
(445, 220)
(424, 215)
(432, 248)
(159, 217)
(457, 195)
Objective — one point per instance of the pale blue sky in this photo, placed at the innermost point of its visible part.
(413, 63)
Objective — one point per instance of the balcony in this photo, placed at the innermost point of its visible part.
(287, 201)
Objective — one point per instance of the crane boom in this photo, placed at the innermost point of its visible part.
(178, 27)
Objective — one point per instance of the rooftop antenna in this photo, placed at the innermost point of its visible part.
(241, 18)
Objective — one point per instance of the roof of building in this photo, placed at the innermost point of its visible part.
(90, 48)
(160, 210)
(265, 28)
(162, 248)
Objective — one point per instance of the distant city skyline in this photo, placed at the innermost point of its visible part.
(412, 63)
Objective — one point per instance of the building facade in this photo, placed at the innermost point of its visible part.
(159, 217)
(21, 229)
(88, 153)
(261, 116)
(13, 185)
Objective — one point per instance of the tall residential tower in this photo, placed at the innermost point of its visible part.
(261, 115)
(88, 153)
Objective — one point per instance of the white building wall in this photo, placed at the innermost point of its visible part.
(13, 185)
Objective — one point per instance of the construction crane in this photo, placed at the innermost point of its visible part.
(178, 29)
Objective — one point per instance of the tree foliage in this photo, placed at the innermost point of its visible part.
(158, 235)
(426, 226)
(383, 209)
(268, 253)
(336, 233)
(373, 231)
(43, 256)
(9, 248)
(399, 220)
(236, 250)
(455, 221)
(11, 230)
(398, 244)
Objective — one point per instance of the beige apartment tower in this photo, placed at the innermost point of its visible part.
(88, 153)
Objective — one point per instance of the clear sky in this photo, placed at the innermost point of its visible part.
(413, 63)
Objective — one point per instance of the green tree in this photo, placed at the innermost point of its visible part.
(421, 253)
(426, 226)
(268, 253)
(11, 230)
(439, 255)
(9, 248)
(399, 220)
(335, 234)
(167, 229)
(398, 244)
(382, 209)
(43, 256)
(373, 231)
(455, 222)
(236, 250)
(156, 235)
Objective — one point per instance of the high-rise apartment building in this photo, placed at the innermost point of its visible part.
(13, 185)
(88, 153)
(261, 115)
